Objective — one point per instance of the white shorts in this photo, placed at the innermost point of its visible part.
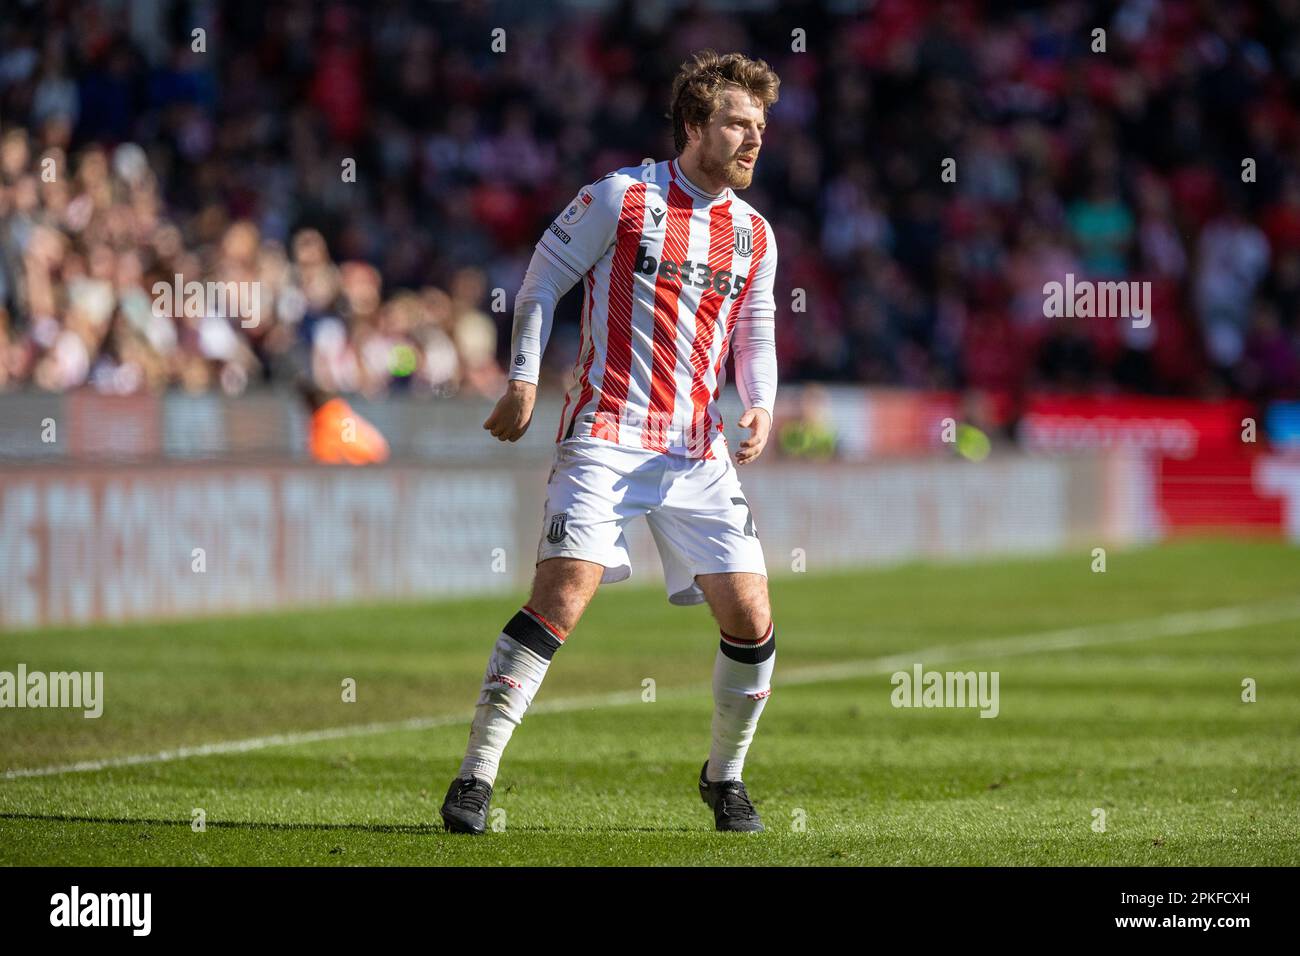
(697, 513)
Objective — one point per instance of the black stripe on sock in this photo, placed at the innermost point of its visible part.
(524, 629)
(749, 655)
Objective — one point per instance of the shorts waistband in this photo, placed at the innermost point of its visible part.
(630, 430)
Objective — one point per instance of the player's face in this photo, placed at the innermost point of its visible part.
(730, 141)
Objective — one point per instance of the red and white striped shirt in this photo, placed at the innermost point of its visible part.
(668, 272)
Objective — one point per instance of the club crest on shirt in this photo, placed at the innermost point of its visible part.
(557, 531)
(744, 240)
(577, 209)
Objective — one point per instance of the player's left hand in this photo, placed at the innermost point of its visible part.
(759, 423)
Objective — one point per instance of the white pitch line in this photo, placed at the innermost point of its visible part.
(1168, 625)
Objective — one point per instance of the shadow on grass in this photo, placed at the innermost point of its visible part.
(406, 828)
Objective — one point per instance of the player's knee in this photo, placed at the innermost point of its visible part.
(558, 608)
(560, 598)
(558, 614)
(562, 617)
(757, 610)
(750, 620)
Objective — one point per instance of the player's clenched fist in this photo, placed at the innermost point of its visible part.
(513, 413)
(757, 420)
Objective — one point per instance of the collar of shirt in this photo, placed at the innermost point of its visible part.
(692, 189)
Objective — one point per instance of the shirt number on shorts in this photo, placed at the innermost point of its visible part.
(749, 517)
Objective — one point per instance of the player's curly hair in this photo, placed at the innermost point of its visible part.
(702, 81)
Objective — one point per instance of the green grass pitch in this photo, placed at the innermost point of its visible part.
(1119, 691)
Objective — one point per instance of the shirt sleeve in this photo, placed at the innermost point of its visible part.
(583, 232)
(755, 357)
(544, 285)
(754, 338)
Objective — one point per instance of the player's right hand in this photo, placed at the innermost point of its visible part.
(514, 412)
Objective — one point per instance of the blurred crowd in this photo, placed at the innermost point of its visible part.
(1171, 157)
(96, 257)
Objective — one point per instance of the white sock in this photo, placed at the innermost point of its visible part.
(514, 674)
(742, 683)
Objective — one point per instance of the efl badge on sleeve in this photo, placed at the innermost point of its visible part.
(577, 209)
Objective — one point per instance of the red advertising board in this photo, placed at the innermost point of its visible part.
(1206, 454)
(1176, 428)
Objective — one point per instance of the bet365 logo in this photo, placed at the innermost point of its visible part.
(697, 274)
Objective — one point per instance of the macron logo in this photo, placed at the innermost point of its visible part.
(102, 909)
